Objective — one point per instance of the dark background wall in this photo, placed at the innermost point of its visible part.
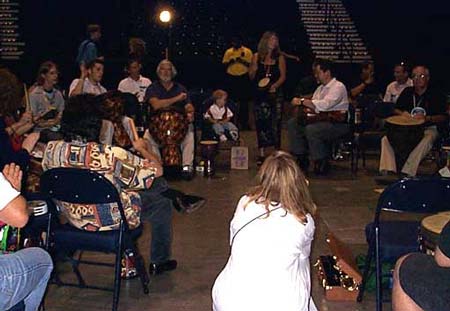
(394, 30)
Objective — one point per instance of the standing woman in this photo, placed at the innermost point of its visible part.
(270, 237)
(268, 70)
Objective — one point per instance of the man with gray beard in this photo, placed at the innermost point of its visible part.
(166, 93)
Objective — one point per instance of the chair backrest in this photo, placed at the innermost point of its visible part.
(416, 195)
(81, 186)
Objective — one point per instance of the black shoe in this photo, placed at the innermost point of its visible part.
(187, 173)
(190, 203)
(260, 160)
(158, 268)
(303, 163)
(386, 178)
(321, 167)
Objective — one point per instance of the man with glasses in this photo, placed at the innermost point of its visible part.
(423, 103)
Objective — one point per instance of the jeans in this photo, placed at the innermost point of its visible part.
(24, 276)
(158, 210)
(317, 137)
(220, 128)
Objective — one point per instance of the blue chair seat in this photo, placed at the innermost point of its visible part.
(397, 238)
(72, 238)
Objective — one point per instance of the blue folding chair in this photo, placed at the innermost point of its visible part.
(88, 187)
(389, 240)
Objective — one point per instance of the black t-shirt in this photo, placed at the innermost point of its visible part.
(434, 102)
(444, 240)
(157, 90)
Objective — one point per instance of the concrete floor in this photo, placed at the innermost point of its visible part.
(201, 246)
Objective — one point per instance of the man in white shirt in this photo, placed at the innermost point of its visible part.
(135, 83)
(402, 81)
(23, 274)
(89, 81)
(317, 137)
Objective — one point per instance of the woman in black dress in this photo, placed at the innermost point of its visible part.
(268, 70)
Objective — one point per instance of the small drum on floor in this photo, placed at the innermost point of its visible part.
(208, 151)
(403, 133)
(430, 229)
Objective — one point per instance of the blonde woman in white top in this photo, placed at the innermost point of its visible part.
(270, 237)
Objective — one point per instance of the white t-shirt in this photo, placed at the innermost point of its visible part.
(394, 89)
(217, 113)
(268, 268)
(7, 192)
(88, 87)
(138, 88)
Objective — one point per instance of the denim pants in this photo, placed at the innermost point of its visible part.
(158, 209)
(316, 137)
(24, 276)
(220, 128)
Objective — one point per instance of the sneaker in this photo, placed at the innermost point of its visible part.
(234, 135)
(190, 203)
(158, 268)
(223, 138)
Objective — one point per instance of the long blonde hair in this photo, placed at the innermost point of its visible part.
(282, 181)
(263, 48)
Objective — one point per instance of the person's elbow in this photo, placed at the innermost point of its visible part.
(17, 213)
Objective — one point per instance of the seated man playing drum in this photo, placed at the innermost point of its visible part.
(167, 94)
(322, 120)
(417, 103)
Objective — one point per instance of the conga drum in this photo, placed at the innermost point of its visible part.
(208, 149)
(430, 229)
(168, 128)
(403, 133)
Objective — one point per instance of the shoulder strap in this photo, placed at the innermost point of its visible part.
(239, 230)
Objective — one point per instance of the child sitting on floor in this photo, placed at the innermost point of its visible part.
(219, 115)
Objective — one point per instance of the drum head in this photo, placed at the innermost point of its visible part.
(209, 142)
(405, 121)
(436, 223)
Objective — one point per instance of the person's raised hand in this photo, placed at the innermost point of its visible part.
(13, 174)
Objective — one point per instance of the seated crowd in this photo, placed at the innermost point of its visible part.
(93, 118)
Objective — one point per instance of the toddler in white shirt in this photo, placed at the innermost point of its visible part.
(220, 115)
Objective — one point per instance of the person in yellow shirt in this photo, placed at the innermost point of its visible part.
(237, 60)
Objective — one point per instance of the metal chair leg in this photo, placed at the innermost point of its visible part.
(367, 271)
(117, 270)
(379, 303)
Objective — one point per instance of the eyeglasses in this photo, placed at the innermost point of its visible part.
(421, 76)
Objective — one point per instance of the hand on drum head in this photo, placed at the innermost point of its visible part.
(419, 116)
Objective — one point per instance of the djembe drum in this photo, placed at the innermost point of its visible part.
(403, 133)
(208, 152)
(430, 229)
(168, 128)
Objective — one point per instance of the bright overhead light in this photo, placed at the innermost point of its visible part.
(165, 16)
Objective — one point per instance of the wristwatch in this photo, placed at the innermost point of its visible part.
(302, 100)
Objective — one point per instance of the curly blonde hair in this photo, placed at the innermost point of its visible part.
(282, 181)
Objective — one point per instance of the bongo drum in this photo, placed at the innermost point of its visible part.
(208, 150)
(403, 133)
(168, 128)
(430, 229)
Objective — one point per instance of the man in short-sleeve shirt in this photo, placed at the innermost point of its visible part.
(435, 120)
(167, 93)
